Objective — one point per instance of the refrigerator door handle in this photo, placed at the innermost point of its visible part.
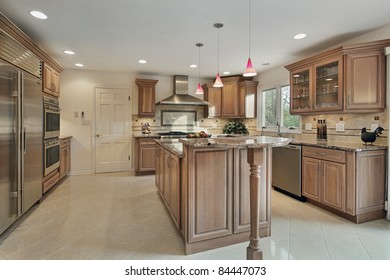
(24, 139)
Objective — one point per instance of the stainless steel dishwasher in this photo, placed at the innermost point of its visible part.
(286, 170)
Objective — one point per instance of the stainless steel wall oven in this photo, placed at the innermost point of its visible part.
(51, 117)
(51, 155)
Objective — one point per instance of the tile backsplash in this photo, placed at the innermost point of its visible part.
(211, 126)
(353, 123)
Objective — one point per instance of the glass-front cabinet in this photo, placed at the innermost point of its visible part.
(301, 91)
(328, 86)
(317, 88)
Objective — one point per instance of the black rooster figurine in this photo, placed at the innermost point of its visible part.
(370, 137)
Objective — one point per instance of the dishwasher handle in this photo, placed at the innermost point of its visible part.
(291, 147)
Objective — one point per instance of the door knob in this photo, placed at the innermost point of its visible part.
(98, 135)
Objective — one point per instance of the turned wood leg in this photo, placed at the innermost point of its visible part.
(255, 159)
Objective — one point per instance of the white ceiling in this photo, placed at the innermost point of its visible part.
(114, 35)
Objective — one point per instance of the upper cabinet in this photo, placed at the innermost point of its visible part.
(236, 99)
(51, 81)
(365, 81)
(345, 79)
(146, 97)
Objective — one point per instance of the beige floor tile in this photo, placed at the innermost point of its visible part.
(121, 216)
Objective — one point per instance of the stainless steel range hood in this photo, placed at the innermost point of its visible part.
(181, 95)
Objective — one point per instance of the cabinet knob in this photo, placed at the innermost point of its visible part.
(98, 135)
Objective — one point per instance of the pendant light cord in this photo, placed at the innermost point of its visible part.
(199, 66)
(250, 4)
(218, 49)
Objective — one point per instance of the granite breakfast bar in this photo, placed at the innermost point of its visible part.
(223, 199)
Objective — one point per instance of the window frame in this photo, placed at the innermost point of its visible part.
(279, 111)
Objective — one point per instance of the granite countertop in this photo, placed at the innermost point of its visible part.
(336, 145)
(172, 145)
(63, 137)
(237, 142)
(151, 135)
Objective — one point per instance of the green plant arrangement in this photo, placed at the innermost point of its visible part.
(235, 127)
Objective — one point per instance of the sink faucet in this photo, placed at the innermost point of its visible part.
(278, 126)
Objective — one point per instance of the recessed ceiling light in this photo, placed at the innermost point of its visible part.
(296, 76)
(38, 14)
(69, 52)
(265, 63)
(299, 36)
(193, 65)
(226, 73)
(79, 65)
(142, 61)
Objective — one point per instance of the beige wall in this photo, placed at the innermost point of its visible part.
(77, 95)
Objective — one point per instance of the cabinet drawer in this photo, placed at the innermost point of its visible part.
(64, 142)
(50, 182)
(324, 154)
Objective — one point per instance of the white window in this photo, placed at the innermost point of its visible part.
(275, 108)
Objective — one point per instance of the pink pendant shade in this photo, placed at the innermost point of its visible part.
(249, 70)
(199, 89)
(218, 81)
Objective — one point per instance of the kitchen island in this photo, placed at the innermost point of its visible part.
(218, 190)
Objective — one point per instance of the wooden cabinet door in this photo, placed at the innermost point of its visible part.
(147, 156)
(165, 190)
(311, 178)
(159, 167)
(174, 185)
(146, 97)
(51, 81)
(365, 81)
(333, 185)
(62, 168)
(67, 160)
(214, 97)
(56, 83)
(210, 194)
(241, 199)
(230, 101)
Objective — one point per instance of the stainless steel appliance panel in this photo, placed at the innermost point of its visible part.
(51, 155)
(32, 127)
(8, 146)
(51, 116)
(21, 131)
(286, 170)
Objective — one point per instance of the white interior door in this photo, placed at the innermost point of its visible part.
(112, 130)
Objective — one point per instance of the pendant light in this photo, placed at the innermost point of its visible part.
(218, 81)
(199, 89)
(249, 70)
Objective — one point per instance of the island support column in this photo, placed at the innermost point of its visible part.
(255, 160)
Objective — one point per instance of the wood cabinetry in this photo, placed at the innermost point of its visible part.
(211, 193)
(216, 198)
(236, 99)
(344, 181)
(51, 81)
(365, 81)
(64, 157)
(324, 177)
(213, 96)
(145, 155)
(168, 181)
(146, 97)
(348, 78)
(241, 198)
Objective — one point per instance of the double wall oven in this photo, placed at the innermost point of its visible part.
(51, 127)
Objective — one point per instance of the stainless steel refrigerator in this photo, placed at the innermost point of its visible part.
(21, 132)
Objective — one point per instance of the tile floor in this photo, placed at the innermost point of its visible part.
(120, 216)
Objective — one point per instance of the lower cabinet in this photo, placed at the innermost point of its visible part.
(216, 197)
(168, 176)
(350, 183)
(145, 155)
(64, 157)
